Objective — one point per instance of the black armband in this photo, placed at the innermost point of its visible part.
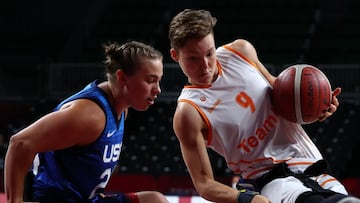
(245, 196)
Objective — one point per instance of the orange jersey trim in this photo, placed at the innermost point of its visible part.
(219, 67)
(203, 116)
(239, 54)
(328, 180)
(197, 86)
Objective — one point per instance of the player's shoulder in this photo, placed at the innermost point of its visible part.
(244, 47)
(186, 110)
(187, 120)
(240, 45)
(81, 111)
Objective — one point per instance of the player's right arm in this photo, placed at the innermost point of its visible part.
(190, 130)
(79, 122)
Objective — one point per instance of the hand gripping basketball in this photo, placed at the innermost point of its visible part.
(301, 94)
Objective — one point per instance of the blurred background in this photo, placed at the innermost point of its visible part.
(49, 50)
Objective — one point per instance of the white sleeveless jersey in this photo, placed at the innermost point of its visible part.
(241, 124)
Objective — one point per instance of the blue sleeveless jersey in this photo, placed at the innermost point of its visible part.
(76, 174)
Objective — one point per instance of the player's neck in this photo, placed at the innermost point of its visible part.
(112, 96)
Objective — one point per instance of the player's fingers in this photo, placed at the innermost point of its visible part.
(332, 108)
(336, 91)
(322, 117)
(335, 102)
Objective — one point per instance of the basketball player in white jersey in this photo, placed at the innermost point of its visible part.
(226, 106)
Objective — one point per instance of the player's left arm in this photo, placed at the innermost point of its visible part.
(249, 51)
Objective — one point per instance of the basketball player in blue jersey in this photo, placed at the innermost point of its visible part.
(226, 106)
(73, 151)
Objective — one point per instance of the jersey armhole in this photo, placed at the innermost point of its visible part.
(204, 118)
(240, 55)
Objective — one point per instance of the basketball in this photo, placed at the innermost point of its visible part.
(301, 93)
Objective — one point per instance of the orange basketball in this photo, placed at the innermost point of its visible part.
(301, 93)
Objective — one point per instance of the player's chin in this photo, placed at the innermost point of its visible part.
(144, 106)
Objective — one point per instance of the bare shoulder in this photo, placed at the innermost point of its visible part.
(245, 48)
(187, 120)
(249, 51)
(241, 45)
(186, 113)
(86, 118)
(84, 109)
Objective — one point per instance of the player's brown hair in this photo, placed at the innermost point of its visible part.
(190, 24)
(127, 56)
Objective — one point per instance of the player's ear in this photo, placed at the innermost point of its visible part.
(120, 75)
(174, 55)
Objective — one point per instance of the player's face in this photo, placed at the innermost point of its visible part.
(197, 59)
(144, 86)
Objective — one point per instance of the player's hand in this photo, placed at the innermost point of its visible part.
(260, 199)
(333, 106)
